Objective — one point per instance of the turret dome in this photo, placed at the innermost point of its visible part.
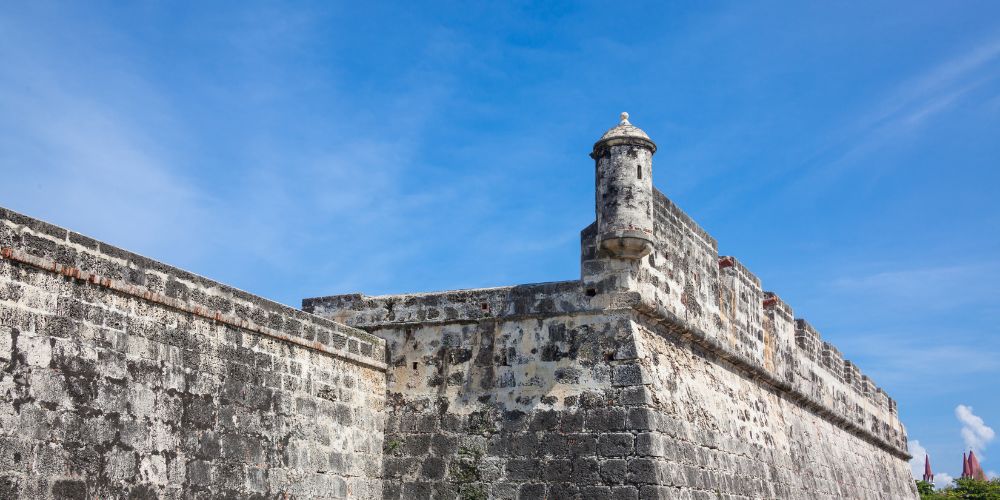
(625, 133)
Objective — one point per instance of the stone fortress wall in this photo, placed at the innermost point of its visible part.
(579, 389)
(121, 377)
(718, 303)
(664, 372)
(498, 393)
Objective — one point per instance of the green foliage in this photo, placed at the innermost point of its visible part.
(963, 489)
(924, 488)
(978, 490)
(392, 446)
(463, 471)
(465, 468)
(483, 422)
(472, 492)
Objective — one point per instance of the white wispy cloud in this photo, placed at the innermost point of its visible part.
(886, 327)
(906, 107)
(92, 152)
(930, 287)
(917, 451)
(942, 479)
(96, 173)
(976, 434)
(901, 359)
(933, 90)
(103, 150)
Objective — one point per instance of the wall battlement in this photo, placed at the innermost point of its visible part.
(686, 281)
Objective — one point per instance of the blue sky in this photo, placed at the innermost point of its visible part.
(846, 152)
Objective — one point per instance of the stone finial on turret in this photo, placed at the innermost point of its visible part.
(624, 133)
(624, 204)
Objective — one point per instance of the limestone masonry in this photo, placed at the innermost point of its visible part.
(665, 371)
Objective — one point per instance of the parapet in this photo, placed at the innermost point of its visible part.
(686, 287)
(720, 303)
(46, 247)
(455, 306)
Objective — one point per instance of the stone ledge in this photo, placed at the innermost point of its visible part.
(143, 293)
(68, 248)
(660, 316)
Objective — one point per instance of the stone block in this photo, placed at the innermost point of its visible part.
(605, 419)
(616, 444)
(643, 471)
(557, 471)
(627, 375)
(586, 470)
(531, 491)
(624, 493)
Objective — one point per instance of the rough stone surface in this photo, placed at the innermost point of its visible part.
(104, 394)
(665, 372)
(623, 159)
(674, 375)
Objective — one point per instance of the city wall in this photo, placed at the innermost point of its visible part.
(666, 371)
(672, 376)
(121, 377)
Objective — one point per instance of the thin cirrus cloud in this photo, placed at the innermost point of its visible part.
(896, 114)
(122, 163)
(905, 108)
(888, 318)
(901, 360)
(935, 287)
(918, 97)
(96, 164)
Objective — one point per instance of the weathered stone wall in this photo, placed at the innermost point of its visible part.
(673, 376)
(122, 377)
(711, 428)
(503, 393)
(685, 284)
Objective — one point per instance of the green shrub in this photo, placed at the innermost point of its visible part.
(963, 489)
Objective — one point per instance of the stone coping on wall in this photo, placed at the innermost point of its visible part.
(666, 206)
(660, 316)
(32, 243)
(509, 303)
(808, 344)
(469, 305)
(809, 351)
